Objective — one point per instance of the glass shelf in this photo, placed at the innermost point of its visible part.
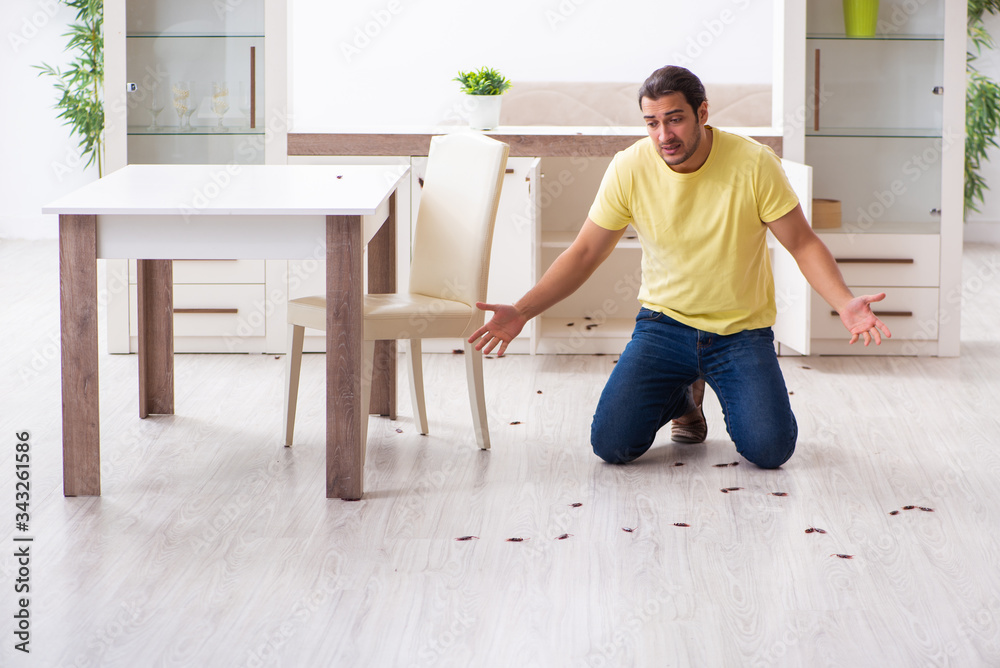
(194, 36)
(878, 133)
(173, 131)
(899, 37)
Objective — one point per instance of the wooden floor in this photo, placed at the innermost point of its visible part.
(213, 545)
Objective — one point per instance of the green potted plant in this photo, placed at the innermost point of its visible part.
(982, 105)
(483, 88)
(81, 86)
(860, 17)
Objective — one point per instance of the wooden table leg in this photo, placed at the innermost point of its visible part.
(344, 357)
(78, 323)
(155, 305)
(381, 279)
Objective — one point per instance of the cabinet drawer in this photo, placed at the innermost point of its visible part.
(886, 260)
(907, 312)
(211, 271)
(212, 310)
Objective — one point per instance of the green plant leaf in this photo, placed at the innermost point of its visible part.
(81, 85)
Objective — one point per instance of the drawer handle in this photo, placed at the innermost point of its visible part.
(887, 314)
(875, 260)
(206, 310)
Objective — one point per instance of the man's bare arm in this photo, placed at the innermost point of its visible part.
(570, 270)
(820, 269)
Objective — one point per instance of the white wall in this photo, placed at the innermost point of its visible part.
(39, 162)
(374, 62)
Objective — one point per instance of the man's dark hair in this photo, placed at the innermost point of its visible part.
(673, 79)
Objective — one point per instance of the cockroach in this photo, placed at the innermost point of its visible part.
(926, 509)
(539, 391)
(587, 317)
(570, 324)
(814, 529)
(516, 422)
(681, 524)
(678, 463)
(843, 556)
(806, 367)
(722, 466)
(458, 351)
(779, 493)
(908, 507)
(893, 512)
(628, 529)
(516, 540)
(790, 393)
(727, 490)
(591, 326)
(576, 505)
(563, 536)
(467, 538)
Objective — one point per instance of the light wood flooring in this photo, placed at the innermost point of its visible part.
(213, 545)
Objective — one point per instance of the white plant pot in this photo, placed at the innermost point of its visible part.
(484, 111)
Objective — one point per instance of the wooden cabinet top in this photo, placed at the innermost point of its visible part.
(524, 141)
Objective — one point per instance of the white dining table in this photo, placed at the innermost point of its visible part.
(159, 213)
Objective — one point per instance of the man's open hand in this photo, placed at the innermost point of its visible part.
(859, 320)
(506, 323)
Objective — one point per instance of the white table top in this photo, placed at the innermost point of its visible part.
(235, 190)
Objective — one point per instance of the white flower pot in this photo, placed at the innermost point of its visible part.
(484, 111)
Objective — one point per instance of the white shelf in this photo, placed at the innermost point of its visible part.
(563, 240)
(571, 336)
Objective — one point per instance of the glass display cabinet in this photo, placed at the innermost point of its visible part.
(883, 129)
(193, 82)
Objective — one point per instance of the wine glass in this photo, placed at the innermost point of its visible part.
(155, 105)
(244, 102)
(183, 103)
(220, 102)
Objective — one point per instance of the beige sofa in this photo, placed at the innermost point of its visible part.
(615, 104)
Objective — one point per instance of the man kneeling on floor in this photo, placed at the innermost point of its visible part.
(701, 201)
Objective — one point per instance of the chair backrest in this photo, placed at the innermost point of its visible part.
(453, 235)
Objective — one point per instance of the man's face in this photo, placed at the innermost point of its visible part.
(676, 130)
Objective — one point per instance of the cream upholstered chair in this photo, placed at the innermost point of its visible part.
(448, 274)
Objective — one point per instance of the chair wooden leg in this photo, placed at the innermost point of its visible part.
(293, 367)
(477, 397)
(367, 370)
(417, 386)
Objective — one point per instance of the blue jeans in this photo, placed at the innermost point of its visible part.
(649, 387)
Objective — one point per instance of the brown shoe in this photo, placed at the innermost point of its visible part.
(691, 427)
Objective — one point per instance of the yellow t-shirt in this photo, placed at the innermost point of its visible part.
(704, 252)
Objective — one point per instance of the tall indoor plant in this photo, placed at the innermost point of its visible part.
(82, 84)
(483, 88)
(982, 104)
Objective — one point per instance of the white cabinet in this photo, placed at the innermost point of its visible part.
(883, 129)
(193, 82)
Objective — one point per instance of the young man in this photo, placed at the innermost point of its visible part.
(701, 201)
